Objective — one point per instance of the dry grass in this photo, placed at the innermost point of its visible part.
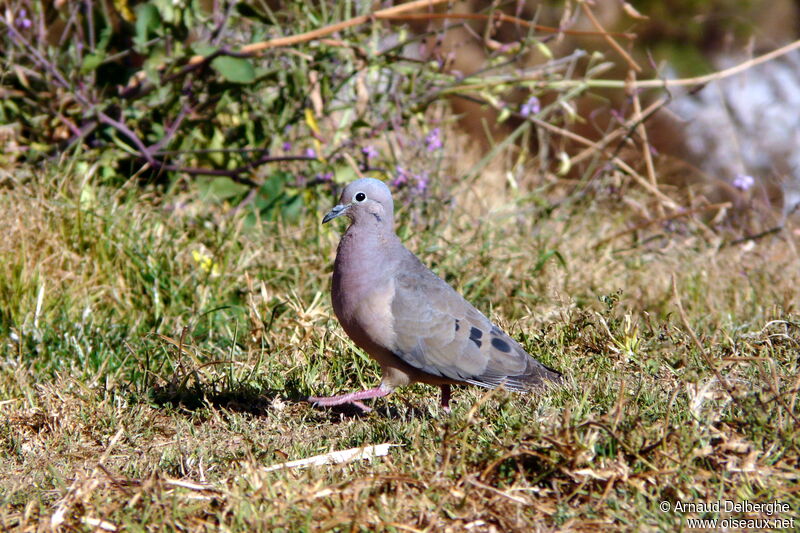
(144, 387)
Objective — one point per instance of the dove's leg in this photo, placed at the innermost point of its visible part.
(445, 398)
(353, 397)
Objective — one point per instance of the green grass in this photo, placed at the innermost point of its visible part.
(144, 346)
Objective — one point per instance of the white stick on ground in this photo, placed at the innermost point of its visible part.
(342, 456)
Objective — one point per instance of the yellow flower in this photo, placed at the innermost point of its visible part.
(206, 263)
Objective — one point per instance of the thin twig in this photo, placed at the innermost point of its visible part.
(123, 128)
(642, 131)
(614, 159)
(623, 130)
(501, 17)
(662, 219)
(684, 82)
(748, 238)
(535, 81)
(173, 128)
(609, 39)
(236, 173)
(333, 28)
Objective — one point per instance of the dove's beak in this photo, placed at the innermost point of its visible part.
(337, 211)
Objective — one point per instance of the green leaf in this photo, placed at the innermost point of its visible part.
(276, 198)
(217, 143)
(92, 61)
(148, 20)
(234, 69)
(88, 198)
(202, 49)
(96, 57)
(105, 38)
(220, 189)
(545, 256)
(359, 124)
(152, 65)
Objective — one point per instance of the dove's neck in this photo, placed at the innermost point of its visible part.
(367, 248)
(364, 262)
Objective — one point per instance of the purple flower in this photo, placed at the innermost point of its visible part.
(401, 178)
(327, 176)
(370, 152)
(531, 107)
(743, 182)
(287, 146)
(433, 141)
(22, 20)
(310, 152)
(422, 181)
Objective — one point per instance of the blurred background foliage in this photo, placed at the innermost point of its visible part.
(116, 84)
(160, 92)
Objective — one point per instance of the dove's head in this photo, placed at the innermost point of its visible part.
(366, 200)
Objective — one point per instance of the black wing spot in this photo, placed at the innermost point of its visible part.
(458, 326)
(474, 335)
(501, 345)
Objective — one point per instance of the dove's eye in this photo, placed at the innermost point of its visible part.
(360, 197)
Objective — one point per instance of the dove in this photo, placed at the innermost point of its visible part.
(416, 326)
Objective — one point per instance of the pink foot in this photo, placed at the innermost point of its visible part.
(351, 398)
(445, 398)
(364, 408)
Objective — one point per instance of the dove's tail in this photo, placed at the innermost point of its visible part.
(538, 375)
